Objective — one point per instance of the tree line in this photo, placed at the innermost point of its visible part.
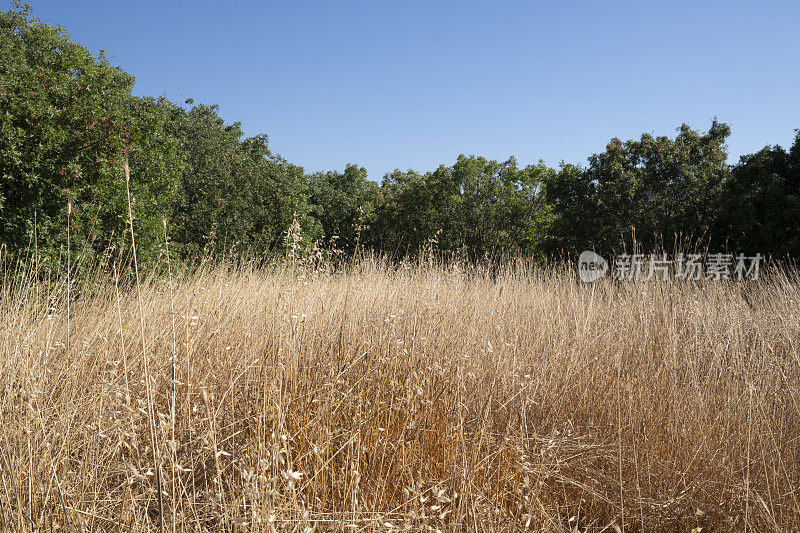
(70, 120)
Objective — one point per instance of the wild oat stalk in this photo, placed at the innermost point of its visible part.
(151, 417)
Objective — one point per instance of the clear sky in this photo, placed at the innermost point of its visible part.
(412, 84)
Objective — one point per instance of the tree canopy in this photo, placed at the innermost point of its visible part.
(70, 120)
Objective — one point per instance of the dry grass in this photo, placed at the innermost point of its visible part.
(417, 397)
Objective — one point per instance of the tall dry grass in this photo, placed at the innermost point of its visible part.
(417, 397)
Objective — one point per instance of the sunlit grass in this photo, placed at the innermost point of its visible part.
(414, 397)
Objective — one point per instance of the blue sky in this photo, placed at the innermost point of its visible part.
(413, 84)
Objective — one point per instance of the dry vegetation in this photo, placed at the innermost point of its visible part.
(415, 397)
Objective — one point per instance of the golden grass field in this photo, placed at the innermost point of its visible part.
(416, 397)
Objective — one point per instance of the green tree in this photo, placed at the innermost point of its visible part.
(656, 190)
(63, 130)
(476, 207)
(502, 208)
(344, 204)
(155, 167)
(235, 195)
(760, 211)
(404, 214)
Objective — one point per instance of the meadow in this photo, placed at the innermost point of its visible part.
(417, 396)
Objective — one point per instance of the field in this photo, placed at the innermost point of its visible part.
(415, 397)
